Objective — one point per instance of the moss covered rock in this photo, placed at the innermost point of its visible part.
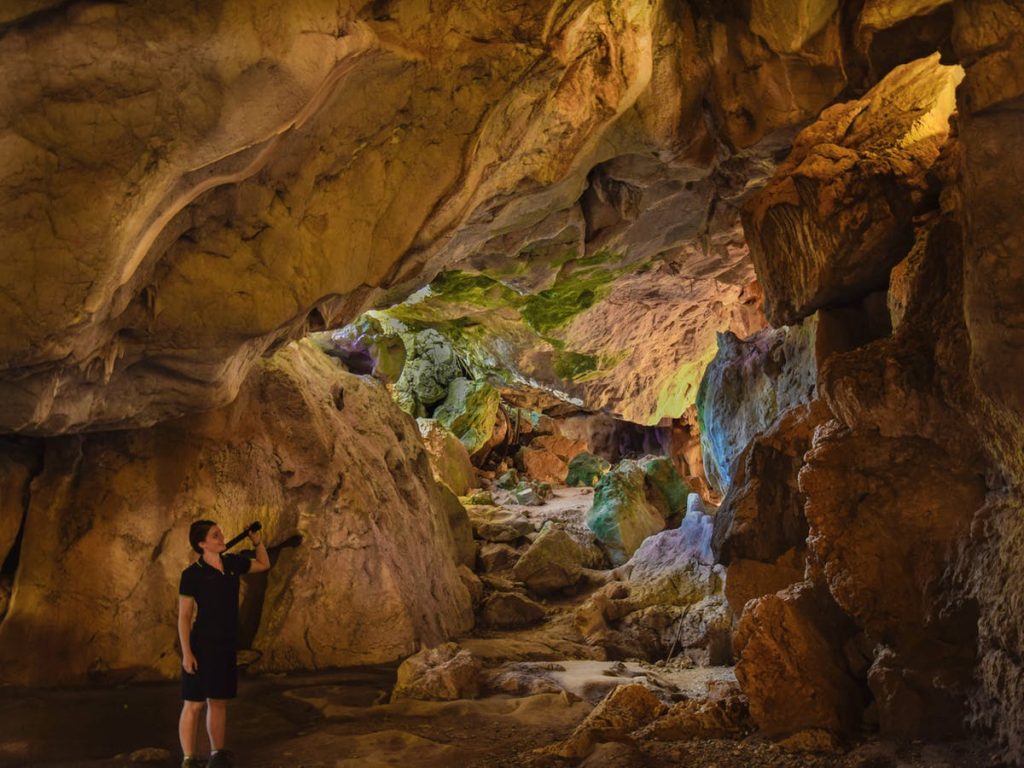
(469, 411)
(431, 367)
(586, 469)
(665, 486)
(622, 515)
(531, 493)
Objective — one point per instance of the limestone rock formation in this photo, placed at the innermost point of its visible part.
(586, 469)
(749, 384)
(431, 367)
(469, 411)
(791, 664)
(760, 528)
(497, 524)
(703, 719)
(838, 213)
(438, 674)
(494, 138)
(510, 610)
(553, 561)
(18, 464)
(547, 457)
(366, 348)
(311, 451)
(988, 37)
(449, 458)
(624, 710)
(668, 600)
(626, 510)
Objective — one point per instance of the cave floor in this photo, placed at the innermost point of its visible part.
(341, 720)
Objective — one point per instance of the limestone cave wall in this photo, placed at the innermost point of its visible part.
(366, 545)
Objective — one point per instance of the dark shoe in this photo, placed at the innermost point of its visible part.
(193, 762)
(222, 758)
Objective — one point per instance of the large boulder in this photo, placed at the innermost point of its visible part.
(748, 385)
(838, 214)
(622, 516)
(510, 610)
(334, 470)
(449, 458)
(553, 561)
(633, 501)
(586, 469)
(626, 709)
(469, 410)
(497, 524)
(547, 457)
(431, 366)
(443, 673)
(792, 667)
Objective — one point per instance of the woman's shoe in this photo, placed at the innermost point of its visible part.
(222, 758)
(193, 762)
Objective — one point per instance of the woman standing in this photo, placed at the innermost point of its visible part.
(208, 631)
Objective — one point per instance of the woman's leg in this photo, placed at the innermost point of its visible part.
(187, 726)
(216, 721)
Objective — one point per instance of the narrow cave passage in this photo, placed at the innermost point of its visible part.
(615, 384)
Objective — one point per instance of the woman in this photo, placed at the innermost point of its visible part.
(208, 631)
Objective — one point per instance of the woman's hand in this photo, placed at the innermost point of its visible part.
(255, 537)
(189, 663)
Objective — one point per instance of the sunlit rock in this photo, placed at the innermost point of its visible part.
(449, 458)
(838, 213)
(469, 411)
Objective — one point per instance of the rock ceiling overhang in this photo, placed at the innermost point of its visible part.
(185, 190)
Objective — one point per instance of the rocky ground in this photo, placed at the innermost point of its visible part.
(543, 694)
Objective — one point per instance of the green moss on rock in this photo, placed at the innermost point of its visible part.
(622, 515)
(470, 411)
(586, 469)
(666, 488)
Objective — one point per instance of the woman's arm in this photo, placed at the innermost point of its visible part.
(186, 610)
(262, 561)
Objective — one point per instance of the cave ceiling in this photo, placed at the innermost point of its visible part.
(184, 189)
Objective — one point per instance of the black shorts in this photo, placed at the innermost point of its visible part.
(216, 676)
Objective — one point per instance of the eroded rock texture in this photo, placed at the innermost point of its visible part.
(989, 39)
(895, 472)
(838, 213)
(308, 449)
(217, 182)
(748, 385)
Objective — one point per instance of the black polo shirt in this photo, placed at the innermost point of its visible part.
(216, 596)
